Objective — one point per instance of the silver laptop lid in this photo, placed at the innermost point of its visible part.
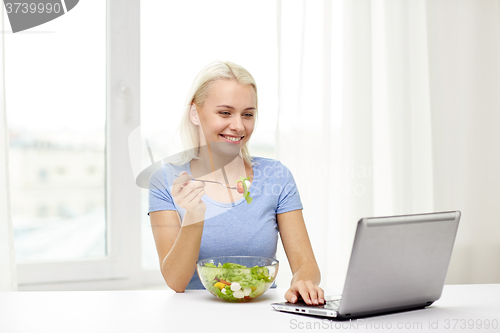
(398, 261)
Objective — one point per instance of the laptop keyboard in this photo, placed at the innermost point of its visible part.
(333, 304)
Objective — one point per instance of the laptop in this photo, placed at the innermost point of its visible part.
(398, 263)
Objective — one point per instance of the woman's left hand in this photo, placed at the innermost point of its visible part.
(311, 293)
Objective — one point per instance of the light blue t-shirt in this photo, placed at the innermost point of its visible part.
(235, 229)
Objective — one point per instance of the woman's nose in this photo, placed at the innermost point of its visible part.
(236, 124)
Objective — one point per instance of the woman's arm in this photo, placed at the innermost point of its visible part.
(179, 246)
(306, 275)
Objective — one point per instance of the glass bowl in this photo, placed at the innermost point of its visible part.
(237, 278)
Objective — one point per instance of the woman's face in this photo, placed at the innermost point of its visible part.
(228, 113)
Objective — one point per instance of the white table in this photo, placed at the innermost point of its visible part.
(198, 311)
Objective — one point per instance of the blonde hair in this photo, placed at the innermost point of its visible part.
(217, 70)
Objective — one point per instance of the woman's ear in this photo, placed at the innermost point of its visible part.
(193, 115)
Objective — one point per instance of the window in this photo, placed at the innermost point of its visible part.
(56, 106)
(68, 124)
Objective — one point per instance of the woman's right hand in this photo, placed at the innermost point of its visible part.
(187, 194)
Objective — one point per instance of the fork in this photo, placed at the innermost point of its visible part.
(211, 181)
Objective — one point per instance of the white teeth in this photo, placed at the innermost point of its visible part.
(231, 138)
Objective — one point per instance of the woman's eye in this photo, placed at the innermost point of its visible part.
(227, 113)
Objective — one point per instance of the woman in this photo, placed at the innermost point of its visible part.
(193, 220)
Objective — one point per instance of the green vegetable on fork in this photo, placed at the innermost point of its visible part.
(242, 186)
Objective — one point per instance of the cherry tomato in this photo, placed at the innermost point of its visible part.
(239, 187)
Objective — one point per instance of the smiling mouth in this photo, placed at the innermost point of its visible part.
(234, 139)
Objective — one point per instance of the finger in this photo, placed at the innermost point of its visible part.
(321, 295)
(177, 188)
(200, 195)
(191, 198)
(291, 295)
(313, 294)
(189, 187)
(304, 292)
(187, 194)
(186, 187)
(183, 177)
(296, 291)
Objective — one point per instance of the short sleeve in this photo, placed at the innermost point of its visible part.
(159, 192)
(289, 198)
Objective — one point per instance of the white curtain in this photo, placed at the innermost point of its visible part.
(8, 280)
(392, 107)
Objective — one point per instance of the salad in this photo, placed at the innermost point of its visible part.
(242, 186)
(234, 284)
